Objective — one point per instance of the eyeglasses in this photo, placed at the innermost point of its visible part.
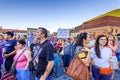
(103, 39)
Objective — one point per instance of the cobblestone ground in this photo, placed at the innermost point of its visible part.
(63, 76)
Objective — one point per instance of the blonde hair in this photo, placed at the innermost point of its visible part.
(114, 38)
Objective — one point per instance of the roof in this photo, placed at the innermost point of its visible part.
(15, 30)
(114, 13)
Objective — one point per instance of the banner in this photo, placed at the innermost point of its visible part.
(63, 33)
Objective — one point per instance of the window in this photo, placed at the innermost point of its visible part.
(98, 31)
(103, 30)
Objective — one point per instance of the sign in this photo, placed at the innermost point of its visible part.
(63, 33)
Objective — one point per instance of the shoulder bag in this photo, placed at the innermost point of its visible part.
(77, 70)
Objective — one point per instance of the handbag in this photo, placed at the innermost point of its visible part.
(77, 70)
(6, 76)
(13, 67)
(105, 71)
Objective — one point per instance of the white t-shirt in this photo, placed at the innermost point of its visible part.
(102, 62)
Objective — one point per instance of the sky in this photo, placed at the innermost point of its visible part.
(51, 14)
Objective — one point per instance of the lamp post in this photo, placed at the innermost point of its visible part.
(85, 25)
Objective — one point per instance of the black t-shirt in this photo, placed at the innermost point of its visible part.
(43, 58)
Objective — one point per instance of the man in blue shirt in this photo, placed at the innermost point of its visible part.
(9, 50)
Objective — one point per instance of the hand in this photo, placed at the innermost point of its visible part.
(35, 40)
(86, 49)
(3, 50)
(25, 68)
(16, 47)
(90, 74)
(109, 44)
(42, 78)
(111, 67)
(5, 56)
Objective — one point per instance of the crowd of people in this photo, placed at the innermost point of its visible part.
(46, 54)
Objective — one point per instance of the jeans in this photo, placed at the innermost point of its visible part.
(66, 60)
(32, 76)
(22, 74)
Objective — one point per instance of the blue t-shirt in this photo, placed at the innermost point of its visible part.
(67, 49)
(10, 46)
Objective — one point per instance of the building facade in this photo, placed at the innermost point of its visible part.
(15, 31)
(104, 25)
(29, 30)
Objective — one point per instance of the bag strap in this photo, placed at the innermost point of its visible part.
(39, 51)
(19, 56)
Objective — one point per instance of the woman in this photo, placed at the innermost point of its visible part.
(113, 45)
(22, 71)
(81, 46)
(101, 56)
(67, 53)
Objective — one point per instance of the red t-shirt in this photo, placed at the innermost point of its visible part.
(113, 52)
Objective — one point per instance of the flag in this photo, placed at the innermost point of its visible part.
(31, 37)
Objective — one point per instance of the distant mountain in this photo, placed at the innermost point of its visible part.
(114, 13)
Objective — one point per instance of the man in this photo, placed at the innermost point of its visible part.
(9, 50)
(46, 56)
(118, 50)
